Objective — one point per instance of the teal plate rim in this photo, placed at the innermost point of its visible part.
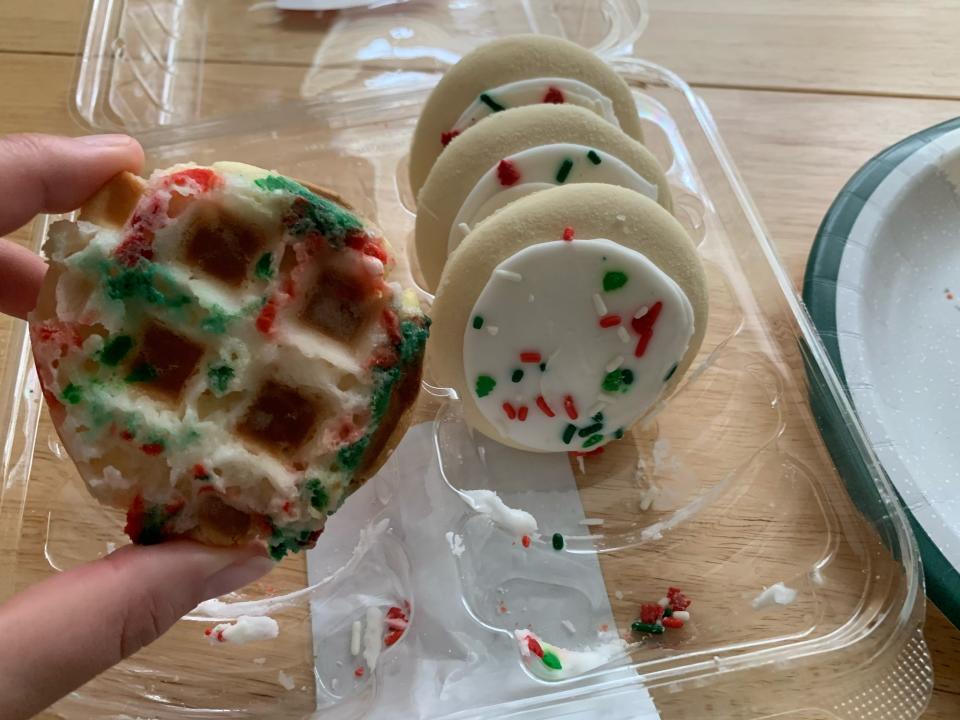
(819, 295)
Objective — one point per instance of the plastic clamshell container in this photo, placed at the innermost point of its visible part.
(748, 495)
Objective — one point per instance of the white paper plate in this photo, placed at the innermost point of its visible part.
(886, 266)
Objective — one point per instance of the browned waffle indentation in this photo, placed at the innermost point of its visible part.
(339, 306)
(221, 244)
(165, 360)
(281, 418)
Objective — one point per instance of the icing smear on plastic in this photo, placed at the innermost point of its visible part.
(551, 662)
(217, 608)
(487, 502)
(776, 594)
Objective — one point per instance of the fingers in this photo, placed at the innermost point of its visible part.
(64, 631)
(21, 273)
(48, 173)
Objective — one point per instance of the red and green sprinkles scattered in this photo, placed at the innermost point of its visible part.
(669, 612)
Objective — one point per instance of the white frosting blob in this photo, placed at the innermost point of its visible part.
(776, 594)
(572, 662)
(539, 168)
(533, 91)
(561, 327)
(487, 502)
(245, 630)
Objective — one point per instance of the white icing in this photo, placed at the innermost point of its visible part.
(373, 637)
(563, 326)
(572, 662)
(356, 634)
(515, 522)
(456, 543)
(245, 630)
(538, 168)
(532, 92)
(286, 682)
(776, 594)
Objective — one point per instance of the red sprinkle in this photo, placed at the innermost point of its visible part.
(267, 316)
(395, 613)
(672, 622)
(507, 173)
(152, 448)
(200, 472)
(287, 506)
(446, 137)
(568, 233)
(643, 326)
(392, 637)
(570, 408)
(364, 243)
(126, 435)
(530, 357)
(534, 647)
(358, 672)
(208, 632)
(204, 177)
(609, 321)
(650, 613)
(510, 411)
(392, 325)
(135, 247)
(678, 601)
(525, 541)
(544, 408)
(220, 636)
(554, 95)
(522, 413)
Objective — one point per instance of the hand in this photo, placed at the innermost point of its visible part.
(65, 630)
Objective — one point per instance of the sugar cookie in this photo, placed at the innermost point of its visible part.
(516, 153)
(510, 72)
(564, 317)
(224, 353)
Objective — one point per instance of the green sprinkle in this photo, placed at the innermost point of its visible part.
(626, 374)
(313, 213)
(491, 103)
(591, 441)
(517, 375)
(614, 280)
(568, 433)
(618, 433)
(71, 394)
(593, 157)
(216, 320)
(141, 282)
(590, 429)
(642, 627)
(477, 322)
(485, 385)
(557, 541)
(670, 372)
(543, 367)
(564, 170)
(144, 372)
(219, 377)
(612, 381)
(551, 660)
(318, 494)
(667, 611)
(264, 267)
(349, 457)
(115, 350)
(598, 417)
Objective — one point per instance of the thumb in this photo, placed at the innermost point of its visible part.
(66, 630)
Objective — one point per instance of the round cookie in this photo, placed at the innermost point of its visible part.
(224, 353)
(518, 152)
(557, 344)
(517, 70)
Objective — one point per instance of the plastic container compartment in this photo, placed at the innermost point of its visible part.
(750, 496)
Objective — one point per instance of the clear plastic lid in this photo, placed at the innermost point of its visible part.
(726, 491)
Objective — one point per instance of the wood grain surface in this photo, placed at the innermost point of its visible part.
(803, 93)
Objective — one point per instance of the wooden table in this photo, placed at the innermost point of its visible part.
(804, 93)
